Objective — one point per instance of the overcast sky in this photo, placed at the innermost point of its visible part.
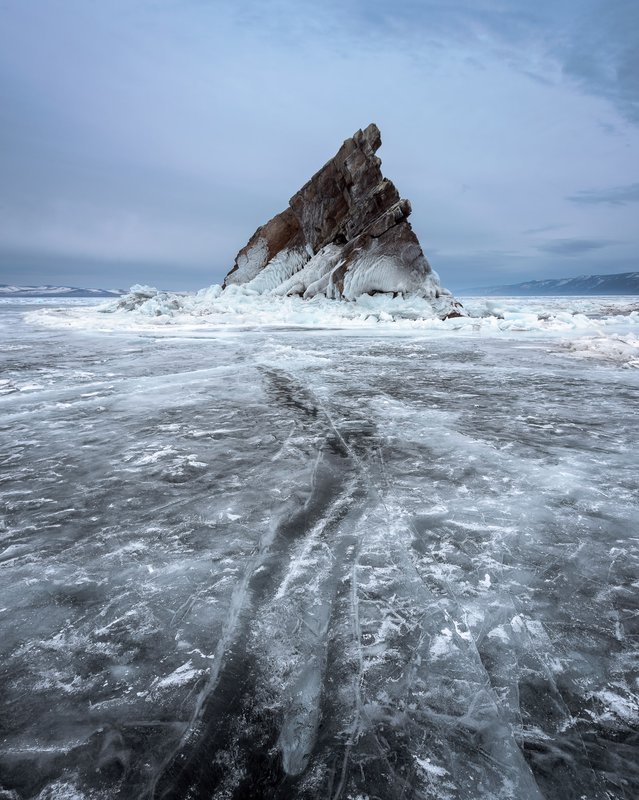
(145, 140)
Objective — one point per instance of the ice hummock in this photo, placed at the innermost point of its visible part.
(604, 328)
(241, 306)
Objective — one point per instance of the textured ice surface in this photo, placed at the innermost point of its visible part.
(372, 563)
(382, 273)
(315, 274)
(251, 262)
(278, 270)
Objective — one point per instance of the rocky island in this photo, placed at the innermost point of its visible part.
(345, 233)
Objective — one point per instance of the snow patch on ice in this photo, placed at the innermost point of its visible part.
(625, 708)
(64, 790)
(618, 348)
(154, 457)
(431, 769)
(184, 674)
(441, 644)
(517, 624)
(499, 633)
(486, 581)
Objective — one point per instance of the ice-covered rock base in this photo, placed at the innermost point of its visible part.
(244, 304)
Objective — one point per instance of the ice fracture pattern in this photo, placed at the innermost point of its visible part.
(316, 564)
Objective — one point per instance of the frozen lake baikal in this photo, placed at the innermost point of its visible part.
(315, 553)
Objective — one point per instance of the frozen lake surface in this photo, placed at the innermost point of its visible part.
(391, 560)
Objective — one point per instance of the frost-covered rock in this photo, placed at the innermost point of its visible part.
(345, 234)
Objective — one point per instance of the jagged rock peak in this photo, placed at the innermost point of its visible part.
(344, 233)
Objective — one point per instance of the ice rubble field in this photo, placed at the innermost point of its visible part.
(605, 327)
(319, 555)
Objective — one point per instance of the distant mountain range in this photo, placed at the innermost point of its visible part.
(621, 283)
(55, 291)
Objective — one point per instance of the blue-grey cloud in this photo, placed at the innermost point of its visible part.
(593, 42)
(542, 229)
(602, 53)
(137, 133)
(572, 247)
(614, 196)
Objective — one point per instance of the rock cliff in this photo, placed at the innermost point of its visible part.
(345, 233)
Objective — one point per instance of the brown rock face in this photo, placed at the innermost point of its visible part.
(345, 233)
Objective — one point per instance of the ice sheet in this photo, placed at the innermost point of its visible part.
(240, 560)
